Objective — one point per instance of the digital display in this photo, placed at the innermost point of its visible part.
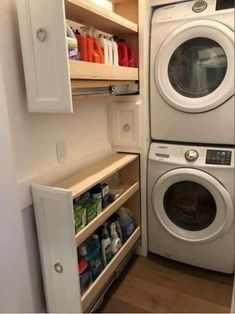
(224, 4)
(218, 157)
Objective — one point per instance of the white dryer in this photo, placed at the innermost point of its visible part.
(192, 72)
(191, 205)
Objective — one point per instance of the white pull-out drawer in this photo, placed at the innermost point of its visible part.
(44, 52)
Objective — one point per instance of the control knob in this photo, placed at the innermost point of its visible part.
(191, 155)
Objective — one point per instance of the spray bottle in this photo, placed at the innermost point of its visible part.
(115, 240)
(106, 246)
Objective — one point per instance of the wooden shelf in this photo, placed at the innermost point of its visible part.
(101, 281)
(88, 13)
(106, 213)
(87, 178)
(96, 71)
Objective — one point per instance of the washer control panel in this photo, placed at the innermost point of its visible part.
(191, 155)
(218, 157)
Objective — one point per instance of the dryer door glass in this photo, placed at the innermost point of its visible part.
(197, 67)
(189, 205)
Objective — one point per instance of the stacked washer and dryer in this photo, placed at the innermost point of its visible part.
(191, 159)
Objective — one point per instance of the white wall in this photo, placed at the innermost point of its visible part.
(15, 292)
(33, 159)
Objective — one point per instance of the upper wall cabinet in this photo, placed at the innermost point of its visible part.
(52, 79)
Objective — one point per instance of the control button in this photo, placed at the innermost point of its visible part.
(191, 155)
(199, 6)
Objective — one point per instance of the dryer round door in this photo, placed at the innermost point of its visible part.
(192, 205)
(194, 69)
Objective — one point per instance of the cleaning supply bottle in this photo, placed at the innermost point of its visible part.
(114, 218)
(82, 40)
(97, 47)
(91, 252)
(127, 222)
(106, 246)
(131, 56)
(71, 43)
(115, 240)
(90, 46)
(110, 51)
(95, 57)
(122, 52)
(104, 47)
(77, 34)
(84, 274)
(115, 51)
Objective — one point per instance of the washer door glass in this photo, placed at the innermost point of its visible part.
(194, 68)
(189, 205)
(192, 205)
(197, 67)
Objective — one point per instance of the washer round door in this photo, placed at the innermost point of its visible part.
(194, 69)
(192, 205)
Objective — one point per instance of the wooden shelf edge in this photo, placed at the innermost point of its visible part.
(100, 282)
(87, 178)
(96, 71)
(86, 12)
(105, 214)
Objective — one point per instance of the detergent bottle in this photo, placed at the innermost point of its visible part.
(115, 51)
(104, 47)
(131, 56)
(97, 47)
(82, 40)
(127, 222)
(110, 51)
(122, 52)
(90, 45)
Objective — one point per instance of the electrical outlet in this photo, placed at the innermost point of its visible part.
(61, 151)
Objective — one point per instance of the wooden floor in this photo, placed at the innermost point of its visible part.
(155, 284)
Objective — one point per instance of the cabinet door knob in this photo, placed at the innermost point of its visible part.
(41, 34)
(126, 127)
(58, 268)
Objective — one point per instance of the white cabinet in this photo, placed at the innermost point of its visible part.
(126, 123)
(54, 217)
(56, 233)
(44, 50)
(51, 78)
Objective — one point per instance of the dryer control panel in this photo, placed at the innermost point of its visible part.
(218, 157)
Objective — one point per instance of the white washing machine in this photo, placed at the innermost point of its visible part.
(191, 205)
(192, 72)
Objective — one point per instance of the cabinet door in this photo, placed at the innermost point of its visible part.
(44, 50)
(55, 227)
(126, 123)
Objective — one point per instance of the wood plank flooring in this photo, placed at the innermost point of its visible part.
(155, 284)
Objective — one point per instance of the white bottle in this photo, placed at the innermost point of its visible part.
(107, 254)
(115, 51)
(115, 240)
(110, 51)
(104, 45)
